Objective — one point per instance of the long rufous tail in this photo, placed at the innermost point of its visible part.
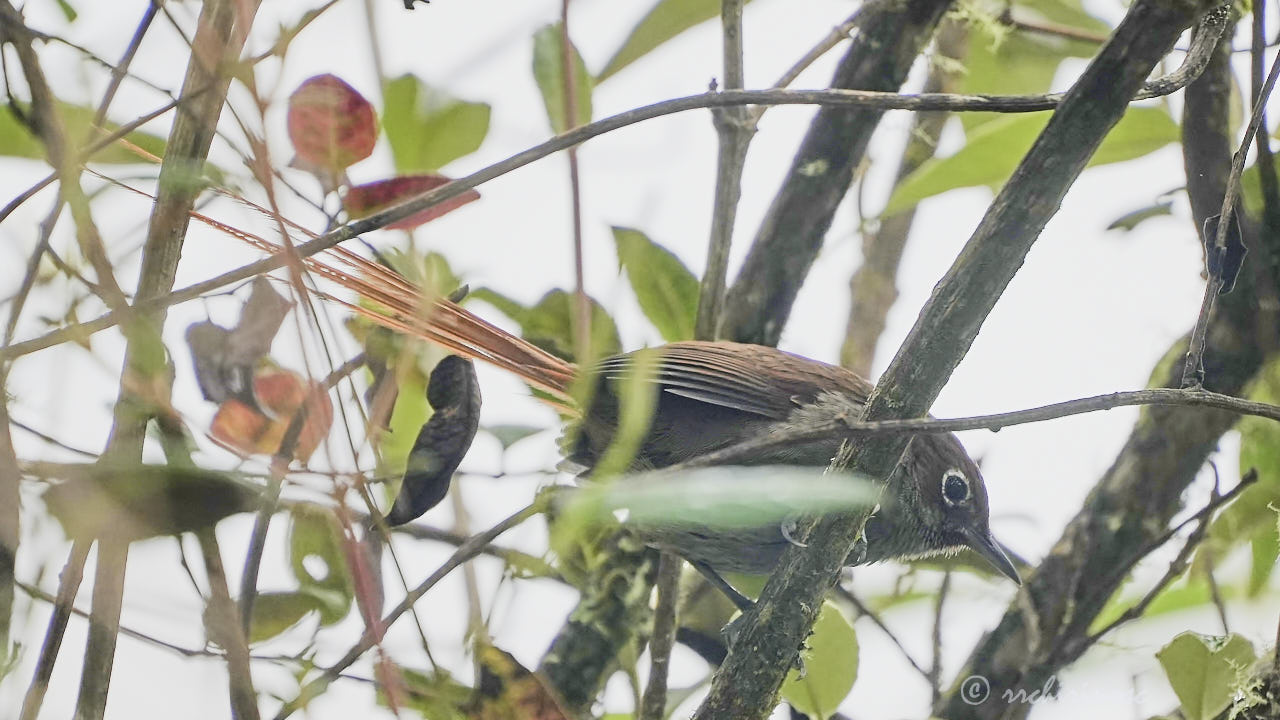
(402, 307)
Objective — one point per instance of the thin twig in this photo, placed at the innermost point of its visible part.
(227, 632)
(837, 35)
(935, 668)
(46, 227)
(840, 424)
(1193, 370)
(734, 129)
(581, 305)
(1202, 518)
(63, 606)
(653, 705)
(576, 136)
(88, 153)
(52, 440)
(465, 552)
(271, 495)
(868, 613)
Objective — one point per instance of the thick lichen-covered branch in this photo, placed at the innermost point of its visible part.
(1136, 498)
(747, 685)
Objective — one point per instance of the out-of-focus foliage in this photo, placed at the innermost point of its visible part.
(548, 70)
(1209, 674)
(428, 128)
(666, 290)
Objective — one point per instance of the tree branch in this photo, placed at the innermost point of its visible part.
(835, 420)
(873, 287)
(220, 35)
(838, 98)
(1137, 497)
(889, 38)
(734, 130)
(747, 684)
(472, 547)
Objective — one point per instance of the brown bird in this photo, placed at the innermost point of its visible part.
(712, 395)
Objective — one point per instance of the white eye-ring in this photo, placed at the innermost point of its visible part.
(955, 487)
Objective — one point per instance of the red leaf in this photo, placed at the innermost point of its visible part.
(331, 125)
(370, 198)
(280, 393)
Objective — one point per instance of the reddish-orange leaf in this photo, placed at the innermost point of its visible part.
(365, 200)
(331, 125)
(280, 393)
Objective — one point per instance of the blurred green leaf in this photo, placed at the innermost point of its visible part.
(135, 502)
(15, 141)
(1251, 188)
(433, 694)
(1205, 671)
(316, 536)
(637, 398)
(68, 11)
(1265, 549)
(427, 127)
(666, 290)
(549, 323)
(664, 21)
(1134, 218)
(407, 416)
(724, 497)
(509, 435)
(1189, 595)
(1251, 518)
(275, 612)
(548, 71)
(831, 666)
(1002, 61)
(995, 149)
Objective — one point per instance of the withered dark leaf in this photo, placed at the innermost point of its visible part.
(454, 395)
(1224, 262)
(224, 359)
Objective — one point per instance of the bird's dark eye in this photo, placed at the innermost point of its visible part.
(955, 487)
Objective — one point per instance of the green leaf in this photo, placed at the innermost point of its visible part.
(427, 127)
(68, 11)
(549, 324)
(1134, 218)
(315, 536)
(1251, 518)
(548, 71)
(1001, 61)
(1194, 593)
(664, 21)
(1265, 548)
(831, 666)
(721, 497)
(275, 612)
(77, 120)
(1205, 671)
(666, 290)
(509, 435)
(433, 694)
(138, 501)
(994, 151)
(407, 416)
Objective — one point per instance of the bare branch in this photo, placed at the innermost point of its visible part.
(839, 98)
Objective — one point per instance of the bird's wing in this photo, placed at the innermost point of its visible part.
(755, 379)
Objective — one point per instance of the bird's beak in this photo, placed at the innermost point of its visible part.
(983, 543)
